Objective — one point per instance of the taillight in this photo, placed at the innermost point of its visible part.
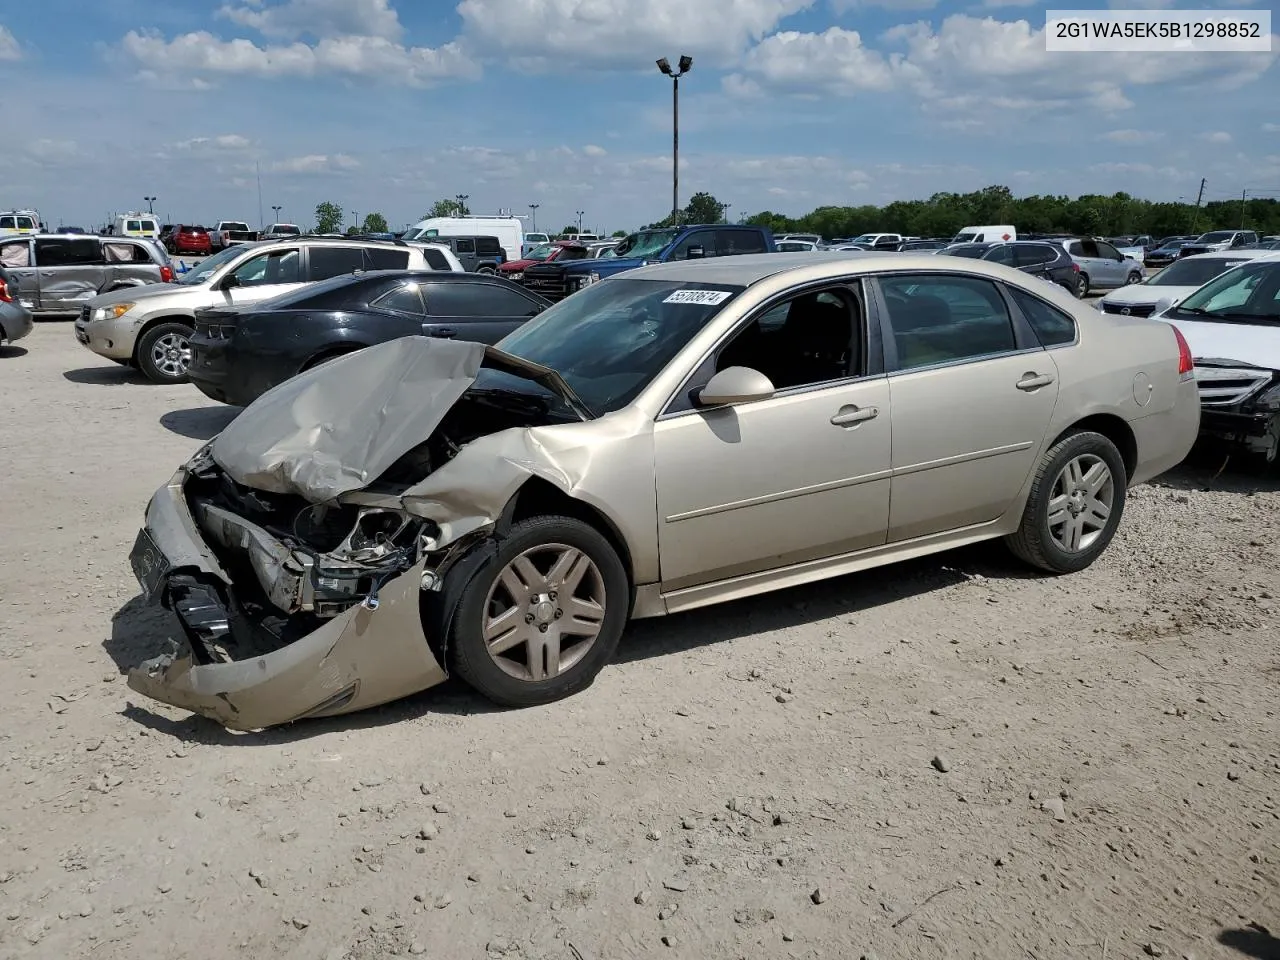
(4, 291)
(166, 273)
(1075, 267)
(1186, 363)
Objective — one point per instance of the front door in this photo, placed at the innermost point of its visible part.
(799, 476)
(971, 402)
(71, 271)
(266, 275)
(1115, 266)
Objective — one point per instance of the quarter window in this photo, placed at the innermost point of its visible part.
(937, 319)
(435, 259)
(1052, 326)
(324, 263)
(377, 258)
(403, 299)
(465, 246)
(1031, 255)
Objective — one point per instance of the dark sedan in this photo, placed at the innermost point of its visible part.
(239, 354)
(1167, 252)
(1048, 261)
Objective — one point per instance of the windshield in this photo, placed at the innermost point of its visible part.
(611, 339)
(207, 267)
(1217, 236)
(1192, 271)
(647, 243)
(540, 252)
(1249, 292)
(973, 251)
(964, 237)
(286, 228)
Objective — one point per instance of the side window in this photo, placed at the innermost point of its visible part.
(466, 245)
(435, 259)
(1089, 248)
(730, 243)
(1032, 255)
(278, 266)
(1075, 248)
(8, 223)
(944, 319)
(489, 246)
(477, 300)
(807, 339)
(61, 252)
(1108, 252)
(149, 226)
(16, 254)
(133, 225)
(1052, 326)
(1002, 254)
(325, 262)
(405, 298)
(376, 258)
(703, 238)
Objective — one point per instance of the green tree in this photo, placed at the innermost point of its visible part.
(328, 217)
(703, 208)
(570, 231)
(448, 207)
(375, 223)
(353, 230)
(618, 233)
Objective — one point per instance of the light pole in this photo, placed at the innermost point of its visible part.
(150, 205)
(533, 217)
(726, 207)
(462, 199)
(580, 213)
(276, 208)
(355, 220)
(684, 66)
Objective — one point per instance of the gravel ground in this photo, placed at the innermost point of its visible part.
(943, 759)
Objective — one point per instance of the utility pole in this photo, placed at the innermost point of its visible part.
(533, 217)
(1195, 220)
(257, 173)
(1243, 201)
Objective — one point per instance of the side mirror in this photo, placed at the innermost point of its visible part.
(696, 253)
(229, 282)
(735, 385)
(1163, 304)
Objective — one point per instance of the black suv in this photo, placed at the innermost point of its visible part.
(476, 254)
(1047, 261)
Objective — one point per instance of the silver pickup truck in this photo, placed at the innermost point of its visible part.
(58, 273)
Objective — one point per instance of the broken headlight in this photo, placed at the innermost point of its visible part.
(1269, 401)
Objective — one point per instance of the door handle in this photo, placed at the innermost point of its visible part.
(443, 332)
(1034, 381)
(851, 416)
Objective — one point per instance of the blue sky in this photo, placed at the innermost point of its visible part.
(389, 105)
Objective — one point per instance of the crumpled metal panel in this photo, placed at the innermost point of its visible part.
(337, 428)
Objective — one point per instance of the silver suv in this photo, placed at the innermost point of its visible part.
(150, 328)
(1102, 265)
(58, 273)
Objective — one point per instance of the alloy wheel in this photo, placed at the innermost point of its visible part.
(544, 612)
(171, 355)
(1080, 502)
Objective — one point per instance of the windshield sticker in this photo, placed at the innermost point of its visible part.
(708, 298)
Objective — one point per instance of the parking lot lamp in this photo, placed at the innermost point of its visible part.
(150, 205)
(684, 66)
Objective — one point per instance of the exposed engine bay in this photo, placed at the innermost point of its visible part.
(295, 564)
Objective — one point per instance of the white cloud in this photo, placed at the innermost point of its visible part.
(1271, 127)
(317, 18)
(9, 49)
(994, 4)
(844, 6)
(202, 53)
(834, 61)
(620, 34)
(316, 163)
(227, 141)
(1132, 136)
(591, 150)
(1220, 136)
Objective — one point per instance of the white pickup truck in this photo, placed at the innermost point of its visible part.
(230, 233)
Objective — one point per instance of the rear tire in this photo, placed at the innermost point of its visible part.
(1075, 504)
(487, 270)
(1082, 286)
(549, 631)
(164, 353)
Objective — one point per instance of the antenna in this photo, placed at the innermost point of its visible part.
(257, 170)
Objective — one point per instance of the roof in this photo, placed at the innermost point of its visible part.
(749, 268)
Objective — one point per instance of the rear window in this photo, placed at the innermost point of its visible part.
(436, 260)
(488, 245)
(235, 225)
(285, 228)
(379, 259)
(149, 226)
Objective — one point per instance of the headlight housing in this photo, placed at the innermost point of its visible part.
(515, 275)
(113, 312)
(1269, 401)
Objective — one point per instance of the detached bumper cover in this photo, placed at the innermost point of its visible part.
(361, 658)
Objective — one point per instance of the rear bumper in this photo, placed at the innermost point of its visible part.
(1164, 439)
(15, 322)
(361, 658)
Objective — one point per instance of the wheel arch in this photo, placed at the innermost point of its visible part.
(1114, 428)
(153, 322)
(329, 351)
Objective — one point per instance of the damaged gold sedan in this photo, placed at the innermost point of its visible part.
(681, 435)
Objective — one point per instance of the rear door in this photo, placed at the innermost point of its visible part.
(70, 270)
(704, 239)
(465, 248)
(731, 243)
(16, 258)
(483, 312)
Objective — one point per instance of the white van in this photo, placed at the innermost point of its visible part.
(508, 230)
(136, 225)
(1000, 233)
(14, 222)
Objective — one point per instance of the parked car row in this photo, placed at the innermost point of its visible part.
(57, 273)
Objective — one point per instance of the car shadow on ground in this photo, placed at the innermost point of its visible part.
(1254, 941)
(112, 376)
(199, 423)
(12, 352)
(1215, 466)
(140, 631)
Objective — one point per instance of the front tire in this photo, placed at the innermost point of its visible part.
(1134, 277)
(540, 616)
(1075, 505)
(1082, 286)
(164, 353)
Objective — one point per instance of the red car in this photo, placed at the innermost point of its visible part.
(543, 253)
(187, 239)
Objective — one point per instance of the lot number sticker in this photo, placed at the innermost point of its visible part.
(708, 298)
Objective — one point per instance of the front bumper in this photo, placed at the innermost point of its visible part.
(360, 658)
(108, 338)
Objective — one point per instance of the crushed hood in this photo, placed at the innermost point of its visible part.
(1245, 344)
(338, 427)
